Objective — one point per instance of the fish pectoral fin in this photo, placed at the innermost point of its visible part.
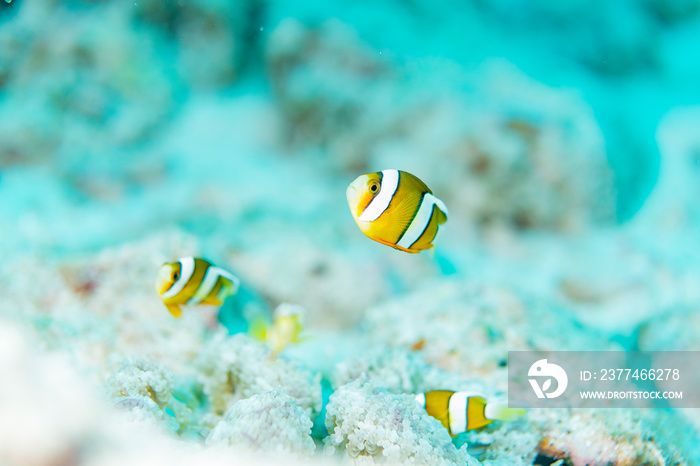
(175, 310)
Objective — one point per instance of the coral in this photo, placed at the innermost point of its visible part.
(145, 388)
(269, 422)
(506, 443)
(321, 77)
(103, 305)
(369, 424)
(315, 274)
(141, 409)
(235, 367)
(468, 327)
(210, 40)
(588, 438)
(581, 437)
(625, 49)
(397, 370)
(86, 91)
(101, 83)
(52, 417)
(142, 377)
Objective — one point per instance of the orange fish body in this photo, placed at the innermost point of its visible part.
(397, 209)
(463, 411)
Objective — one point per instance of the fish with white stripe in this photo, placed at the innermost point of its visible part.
(395, 208)
(191, 281)
(463, 411)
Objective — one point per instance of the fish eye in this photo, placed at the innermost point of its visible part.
(176, 276)
(374, 187)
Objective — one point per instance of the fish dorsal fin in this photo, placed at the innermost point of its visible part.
(414, 182)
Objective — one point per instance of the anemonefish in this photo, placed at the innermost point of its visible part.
(287, 324)
(192, 280)
(395, 208)
(463, 411)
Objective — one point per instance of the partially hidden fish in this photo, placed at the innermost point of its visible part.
(395, 208)
(287, 324)
(192, 280)
(463, 411)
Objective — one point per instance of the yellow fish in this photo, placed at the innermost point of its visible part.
(193, 280)
(395, 208)
(287, 324)
(463, 411)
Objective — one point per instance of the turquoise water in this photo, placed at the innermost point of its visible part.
(561, 136)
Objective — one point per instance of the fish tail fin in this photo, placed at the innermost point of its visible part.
(501, 412)
(175, 310)
(258, 328)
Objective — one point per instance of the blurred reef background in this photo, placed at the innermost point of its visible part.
(563, 137)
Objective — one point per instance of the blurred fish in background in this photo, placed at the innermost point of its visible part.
(286, 326)
(193, 281)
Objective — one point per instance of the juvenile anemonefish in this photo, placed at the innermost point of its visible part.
(395, 208)
(463, 411)
(287, 324)
(192, 280)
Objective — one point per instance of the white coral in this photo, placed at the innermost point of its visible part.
(139, 377)
(235, 367)
(462, 327)
(271, 422)
(144, 387)
(370, 424)
(397, 370)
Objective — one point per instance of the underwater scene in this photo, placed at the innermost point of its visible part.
(260, 232)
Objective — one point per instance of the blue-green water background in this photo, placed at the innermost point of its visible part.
(631, 61)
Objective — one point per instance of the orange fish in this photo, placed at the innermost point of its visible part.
(463, 411)
(395, 208)
(192, 281)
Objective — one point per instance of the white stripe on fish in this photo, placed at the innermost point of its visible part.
(390, 183)
(186, 271)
